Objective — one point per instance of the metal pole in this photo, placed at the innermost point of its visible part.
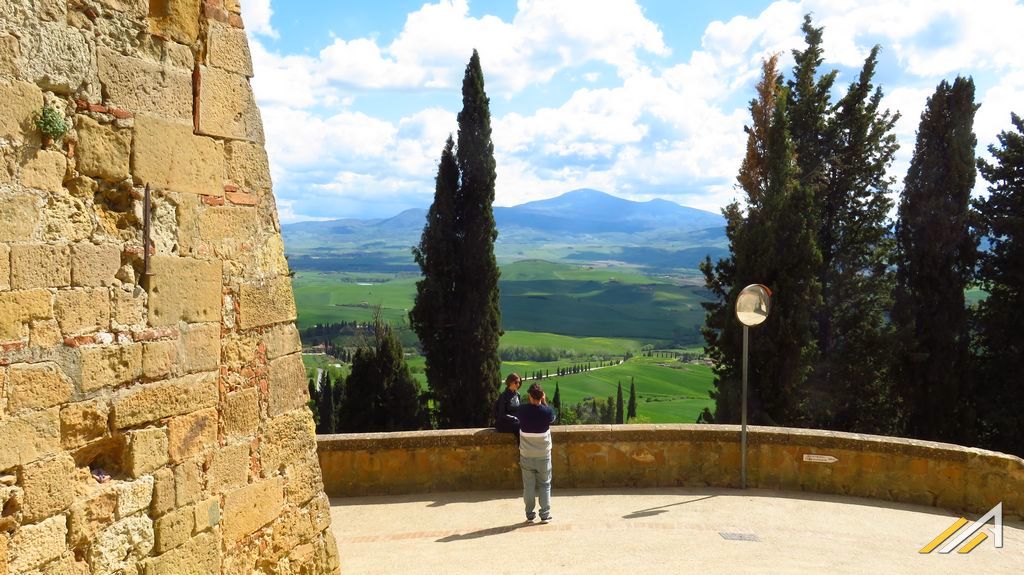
(743, 416)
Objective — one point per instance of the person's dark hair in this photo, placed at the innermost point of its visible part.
(513, 378)
(536, 391)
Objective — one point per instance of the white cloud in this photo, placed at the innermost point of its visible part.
(256, 14)
(658, 125)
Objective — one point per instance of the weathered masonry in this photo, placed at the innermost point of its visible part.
(152, 415)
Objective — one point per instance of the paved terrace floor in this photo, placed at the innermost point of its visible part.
(639, 531)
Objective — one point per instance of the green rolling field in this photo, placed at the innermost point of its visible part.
(536, 296)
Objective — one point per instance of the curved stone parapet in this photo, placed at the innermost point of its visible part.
(886, 468)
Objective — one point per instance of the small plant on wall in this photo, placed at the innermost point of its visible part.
(51, 123)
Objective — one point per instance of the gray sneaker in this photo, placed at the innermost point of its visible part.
(546, 520)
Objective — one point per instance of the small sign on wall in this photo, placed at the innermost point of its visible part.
(815, 458)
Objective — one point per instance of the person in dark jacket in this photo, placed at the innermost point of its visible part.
(535, 419)
(507, 405)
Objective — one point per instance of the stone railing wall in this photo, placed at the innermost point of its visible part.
(887, 468)
(149, 422)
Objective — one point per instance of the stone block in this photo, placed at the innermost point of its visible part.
(83, 422)
(184, 289)
(175, 19)
(122, 545)
(82, 311)
(56, 57)
(303, 480)
(169, 156)
(227, 107)
(19, 216)
(91, 515)
(282, 339)
(9, 54)
(229, 469)
(40, 266)
(33, 546)
(251, 507)
(163, 492)
(127, 307)
(45, 170)
(48, 489)
(225, 231)
(189, 484)
(33, 386)
(18, 308)
(158, 358)
(147, 450)
(150, 402)
(5, 267)
(110, 365)
(133, 496)
(44, 333)
(70, 219)
(94, 265)
(241, 413)
(200, 347)
(28, 438)
(145, 87)
(248, 166)
(102, 151)
(287, 438)
(173, 529)
(21, 100)
(266, 303)
(228, 49)
(207, 514)
(288, 386)
(200, 556)
(192, 434)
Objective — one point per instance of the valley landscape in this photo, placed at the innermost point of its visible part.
(585, 277)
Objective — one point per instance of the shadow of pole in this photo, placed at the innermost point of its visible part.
(662, 509)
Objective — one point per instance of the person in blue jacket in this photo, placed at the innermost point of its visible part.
(507, 405)
(535, 419)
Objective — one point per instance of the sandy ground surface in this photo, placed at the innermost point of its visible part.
(636, 531)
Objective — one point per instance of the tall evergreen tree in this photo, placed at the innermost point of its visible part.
(631, 409)
(843, 152)
(619, 411)
(1000, 316)
(456, 312)
(325, 405)
(936, 258)
(772, 243)
(381, 393)
(556, 400)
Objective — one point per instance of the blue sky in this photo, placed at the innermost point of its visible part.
(640, 98)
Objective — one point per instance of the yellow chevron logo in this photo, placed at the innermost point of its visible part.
(995, 515)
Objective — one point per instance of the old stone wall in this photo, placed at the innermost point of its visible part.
(590, 456)
(150, 423)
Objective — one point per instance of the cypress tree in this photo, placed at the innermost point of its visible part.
(618, 406)
(937, 254)
(311, 403)
(772, 243)
(325, 405)
(1000, 316)
(631, 409)
(556, 400)
(456, 313)
(381, 393)
(843, 152)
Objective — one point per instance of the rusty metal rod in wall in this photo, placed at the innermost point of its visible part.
(145, 232)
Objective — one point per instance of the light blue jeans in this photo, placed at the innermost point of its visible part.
(536, 484)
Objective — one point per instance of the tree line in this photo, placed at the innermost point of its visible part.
(869, 331)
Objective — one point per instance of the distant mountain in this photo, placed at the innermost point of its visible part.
(591, 211)
(582, 225)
